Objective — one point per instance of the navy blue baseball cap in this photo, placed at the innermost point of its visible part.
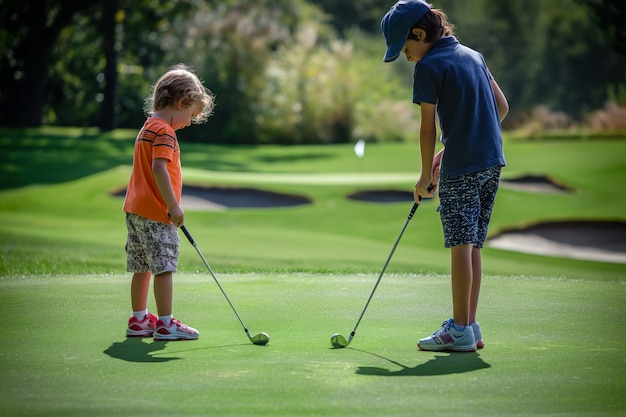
(398, 22)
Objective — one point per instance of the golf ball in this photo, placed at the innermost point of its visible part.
(338, 341)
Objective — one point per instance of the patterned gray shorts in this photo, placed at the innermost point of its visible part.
(465, 206)
(150, 245)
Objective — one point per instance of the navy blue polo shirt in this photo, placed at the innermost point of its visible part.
(457, 80)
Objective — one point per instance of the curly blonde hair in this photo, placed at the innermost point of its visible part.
(180, 86)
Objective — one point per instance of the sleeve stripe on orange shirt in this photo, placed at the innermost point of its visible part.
(165, 140)
(147, 136)
(151, 136)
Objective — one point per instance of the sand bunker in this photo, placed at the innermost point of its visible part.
(529, 183)
(198, 198)
(535, 184)
(603, 241)
(591, 240)
(382, 196)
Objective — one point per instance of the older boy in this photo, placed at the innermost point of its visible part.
(452, 82)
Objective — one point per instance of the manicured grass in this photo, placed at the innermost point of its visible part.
(300, 274)
(333, 234)
(551, 349)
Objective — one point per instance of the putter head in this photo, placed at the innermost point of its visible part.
(260, 339)
(338, 341)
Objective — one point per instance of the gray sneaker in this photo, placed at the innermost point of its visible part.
(449, 339)
(478, 336)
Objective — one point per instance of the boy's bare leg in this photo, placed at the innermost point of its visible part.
(139, 287)
(462, 272)
(476, 281)
(163, 290)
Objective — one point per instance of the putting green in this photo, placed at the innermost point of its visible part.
(552, 348)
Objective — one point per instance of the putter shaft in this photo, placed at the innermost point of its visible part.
(406, 223)
(259, 339)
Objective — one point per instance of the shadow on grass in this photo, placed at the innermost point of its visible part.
(133, 349)
(442, 364)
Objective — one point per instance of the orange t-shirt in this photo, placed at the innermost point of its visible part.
(156, 139)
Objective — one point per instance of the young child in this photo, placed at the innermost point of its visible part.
(452, 82)
(152, 202)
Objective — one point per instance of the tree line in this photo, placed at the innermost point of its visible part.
(292, 71)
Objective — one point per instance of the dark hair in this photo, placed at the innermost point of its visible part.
(435, 23)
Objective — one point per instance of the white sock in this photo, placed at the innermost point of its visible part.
(166, 319)
(141, 314)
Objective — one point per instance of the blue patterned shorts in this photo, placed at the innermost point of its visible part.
(465, 206)
(150, 245)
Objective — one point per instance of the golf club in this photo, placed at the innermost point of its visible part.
(258, 339)
(339, 341)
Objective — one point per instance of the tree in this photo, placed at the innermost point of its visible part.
(543, 53)
(47, 41)
(109, 102)
(29, 32)
(609, 17)
(91, 63)
(230, 44)
(363, 14)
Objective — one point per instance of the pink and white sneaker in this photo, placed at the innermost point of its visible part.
(141, 328)
(175, 331)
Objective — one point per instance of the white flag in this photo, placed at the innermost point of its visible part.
(359, 148)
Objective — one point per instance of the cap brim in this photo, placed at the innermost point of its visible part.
(393, 51)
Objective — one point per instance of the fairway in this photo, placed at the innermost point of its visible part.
(67, 355)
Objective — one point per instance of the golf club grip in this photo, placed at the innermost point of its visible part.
(416, 205)
(189, 237)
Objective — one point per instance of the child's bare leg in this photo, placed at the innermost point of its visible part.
(167, 327)
(476, 281)
(461, 283)
(139, 288)
(163, 290)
